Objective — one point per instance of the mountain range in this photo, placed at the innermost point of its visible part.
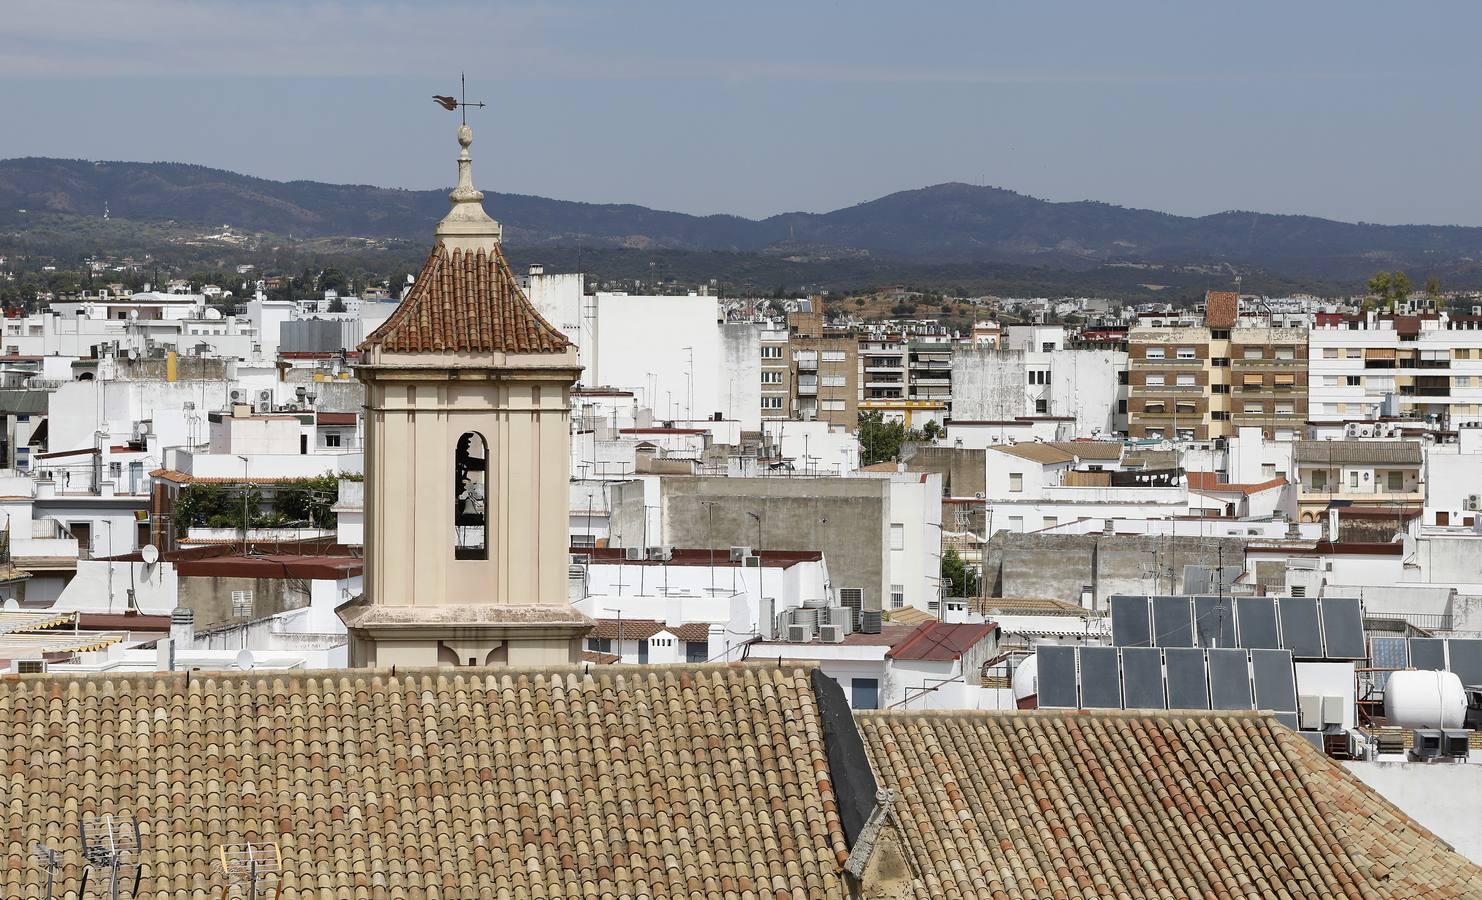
(944, 224)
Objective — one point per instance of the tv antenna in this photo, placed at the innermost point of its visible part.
(244, 865)
(111, 842)
(461, 103)
(49, 859)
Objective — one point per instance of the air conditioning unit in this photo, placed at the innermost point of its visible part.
(799, 634)
(739, 553)
(633, 554)
(831, 634)
(752, 562)
(1427, 744)
(30, 667)
(980, 495)
(1456, 743)
(1316, 712)
(816, 603)
(581, 559)
(663, 554)
(1474, 502)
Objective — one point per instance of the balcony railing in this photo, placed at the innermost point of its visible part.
(1163, 363)
(1237, 362)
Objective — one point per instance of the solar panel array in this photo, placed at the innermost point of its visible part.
(1168, 678)
(1463, 656)
(1308, 627)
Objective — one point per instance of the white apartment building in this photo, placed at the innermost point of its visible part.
(1086, 386)
(1425, 366)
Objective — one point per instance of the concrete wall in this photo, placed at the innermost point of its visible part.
(1447, 799)
(848, 519)
(995, 385)
(1059, 566)
(962, 471)
(740, 375)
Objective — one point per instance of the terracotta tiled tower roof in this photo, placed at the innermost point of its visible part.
(466, 301)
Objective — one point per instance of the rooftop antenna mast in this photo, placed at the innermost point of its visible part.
(246, 865)
(50, 859)
(111, 842)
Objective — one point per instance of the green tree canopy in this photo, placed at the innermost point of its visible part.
(960, 579)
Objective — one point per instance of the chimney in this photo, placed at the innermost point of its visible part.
(183, 626)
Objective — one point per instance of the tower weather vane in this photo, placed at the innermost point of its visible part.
(450, 104)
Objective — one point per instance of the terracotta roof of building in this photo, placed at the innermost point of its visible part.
(1400, 452)
(618, 782)
(940, 641)
(1111, 450)
(601, 659)
(1221, 308)
(464, 302)
(335, 418)
(908, 615)
(1045, 454)
(1137, 804)
(1208, 482)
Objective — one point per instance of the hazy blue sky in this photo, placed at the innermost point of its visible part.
(1354, 110)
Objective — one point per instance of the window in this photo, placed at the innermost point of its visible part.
(897, 536)
(1254, 353)
(1154, 380)
(1184, 407)
(1268, 471)
(774, 352)
(115, 470)
(1047, 346)
(599, 645)
(834, 380)
(1285, 409)
(864, 693)
(332, 439)
(470, 515)
(1254, 409)
(1463, 353)
(1353, 479)
(1354, 380)
(1039, 377)
(1220, 334)
(1353, 353)
(242, 604)
(1396, 481)
(833, 355)
(696, 651)
(772, 377)
(832, 406)
(1051, 521)
(771, 403)
(1155, 353)
(1186, 381)
(1285, 434)
(1016, 482)
(1016, 524)
(1219, 389)
(1187, 353)
(1042, 406)
(1220, 362)
(1220, 415)
(1330, 353)
(897, 596)
(1286, 352)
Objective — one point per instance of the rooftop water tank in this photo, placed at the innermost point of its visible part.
(1417, 698)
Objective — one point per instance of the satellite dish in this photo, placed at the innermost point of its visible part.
(11, 604)
(245, 660)
(150, 554)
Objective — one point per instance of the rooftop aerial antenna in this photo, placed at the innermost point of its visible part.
(49, 859)
(247, 865)
(111, 842)
(461, 103)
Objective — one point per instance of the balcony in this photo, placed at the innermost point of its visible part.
(1185, 389)
(1410, 391)
(1168, 363)
(1263, 363)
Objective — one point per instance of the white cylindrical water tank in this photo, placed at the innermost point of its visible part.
(1416, 698)
(1026, 678)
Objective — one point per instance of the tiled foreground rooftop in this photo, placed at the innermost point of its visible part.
(625, 782)
(1143, 804)
(737, 782)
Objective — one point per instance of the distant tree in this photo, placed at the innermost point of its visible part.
(931, 430)
(1433, 286)
(336, 305)
(879, 440)
(1399, 286)
(960, 579)
(332, 279)
(1389, 287)
(1379, 285)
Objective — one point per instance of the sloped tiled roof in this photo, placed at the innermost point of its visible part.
(618, 782)
(1136, 804)
(1221, 308)
(1045, 454)
(464, 302)
(939, 641)
(1357, 452)
(1104, 450)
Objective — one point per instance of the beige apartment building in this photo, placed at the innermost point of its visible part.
(1206, 381)
(824, 369)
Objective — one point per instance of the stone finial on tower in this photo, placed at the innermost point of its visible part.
(467, 226)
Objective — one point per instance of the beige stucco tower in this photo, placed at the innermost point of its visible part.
(467, 448)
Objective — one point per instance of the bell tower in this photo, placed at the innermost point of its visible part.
(467, 449)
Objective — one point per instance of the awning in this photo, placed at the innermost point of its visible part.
(1285, 378)
(1249, 380)
(1379, 353)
